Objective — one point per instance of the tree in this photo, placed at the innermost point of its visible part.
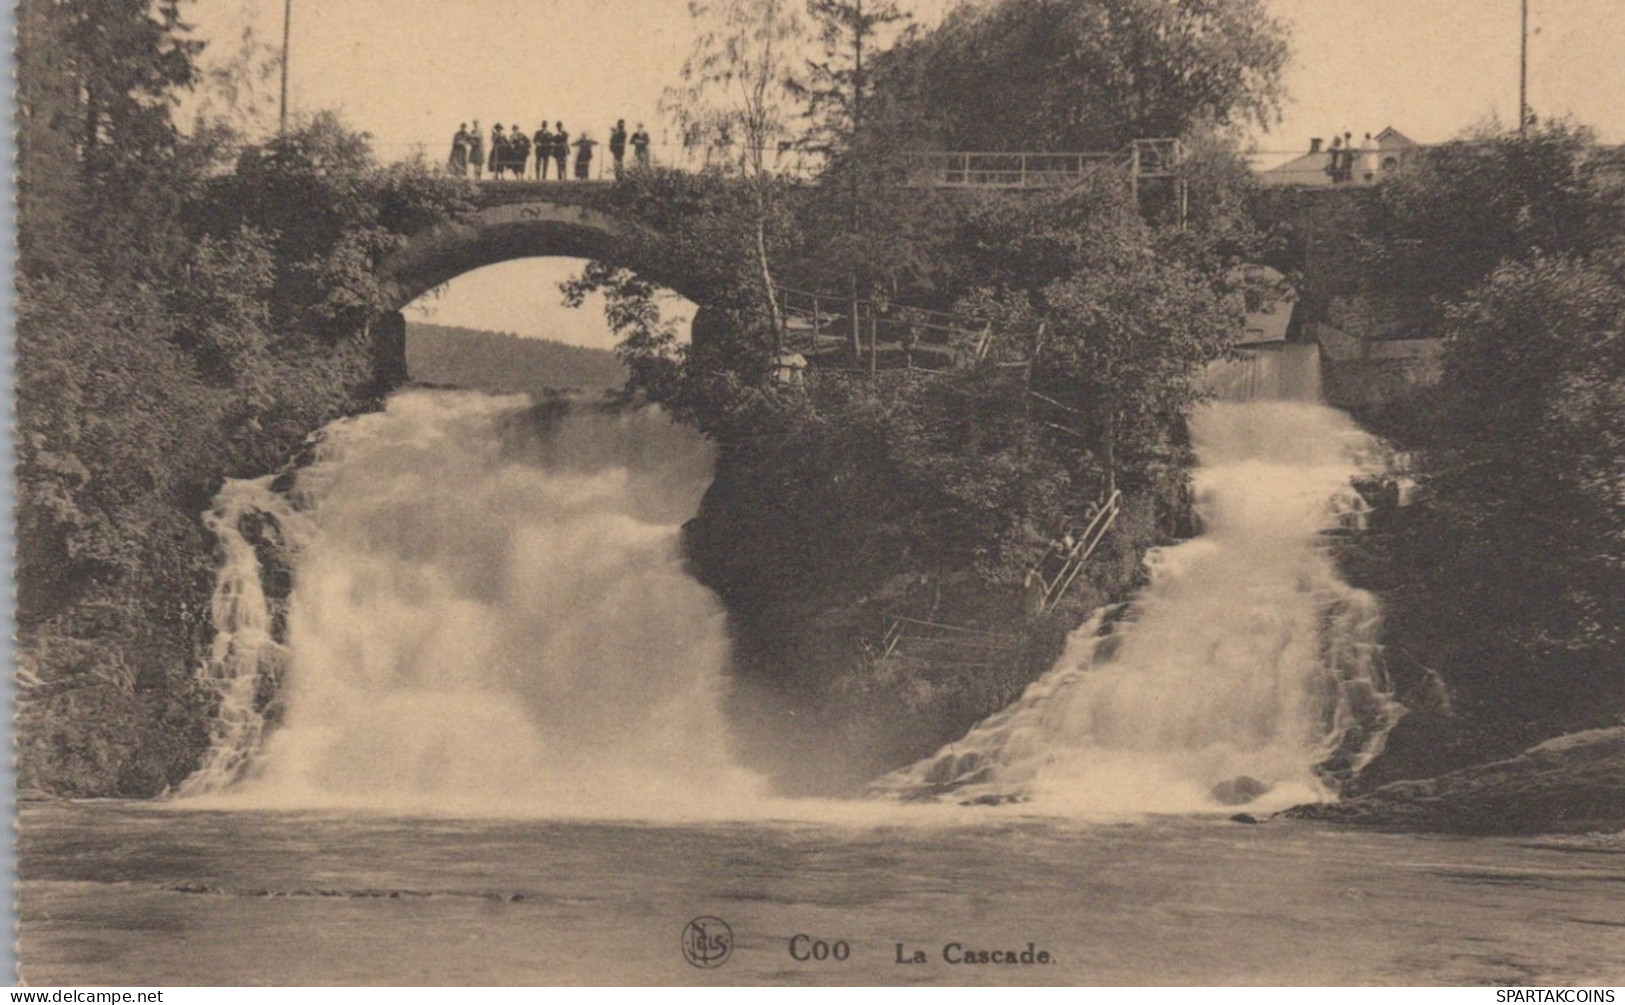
(735, 100)
(96, 149)
(1092, 74)
(1519, 556)
(122, 61)
(837, 89)
(1125, 325)
(1509, 570)
(1460, 210)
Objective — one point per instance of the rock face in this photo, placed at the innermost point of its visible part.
(1571, 784)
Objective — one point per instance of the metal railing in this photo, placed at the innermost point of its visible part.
(1007, 170)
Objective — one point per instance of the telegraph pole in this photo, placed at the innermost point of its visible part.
(1523, 73)
(287, 22)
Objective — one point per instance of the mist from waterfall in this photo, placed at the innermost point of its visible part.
(490, 613)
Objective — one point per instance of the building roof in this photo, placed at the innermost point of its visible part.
(1310, 169)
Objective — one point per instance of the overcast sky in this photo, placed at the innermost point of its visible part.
(409, 71)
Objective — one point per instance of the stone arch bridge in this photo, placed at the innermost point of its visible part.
(572, 219)
(514, 220)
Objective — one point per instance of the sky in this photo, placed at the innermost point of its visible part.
(409, 71)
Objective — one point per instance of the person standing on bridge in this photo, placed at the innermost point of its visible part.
(519, 144)
(584, 147)
(497, 159)
(640, 147)
(561, 148)
(458, 163)
(543, 141)
(617, 145)
(476, 149)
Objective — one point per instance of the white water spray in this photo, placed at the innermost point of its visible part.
(1246, 667)
(490, 612)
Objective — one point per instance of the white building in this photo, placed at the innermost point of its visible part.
(1313, 169)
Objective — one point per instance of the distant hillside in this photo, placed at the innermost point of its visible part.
(506, 363)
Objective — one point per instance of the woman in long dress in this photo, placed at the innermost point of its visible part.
(518, 151)
(498, 161)
(476, 150)
(457, 164)
(584, 147)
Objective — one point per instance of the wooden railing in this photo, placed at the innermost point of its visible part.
(1059, 568)
(818, 323)
(945, 645)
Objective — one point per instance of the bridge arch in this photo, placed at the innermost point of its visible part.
(506, 231)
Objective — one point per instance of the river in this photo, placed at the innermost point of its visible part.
(129, 893)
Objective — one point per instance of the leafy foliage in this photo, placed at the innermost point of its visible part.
(1092, 75)
(1463, 208)
(176, 325)
(1507, 576)
(1515, 582)
(838, 88)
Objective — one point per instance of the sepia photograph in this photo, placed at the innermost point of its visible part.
(819, 492)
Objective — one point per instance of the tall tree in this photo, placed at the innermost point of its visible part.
(838, 87)
(735, 100)
(238, 80)
(837, 90)
(99, 159)
(105, 70)
(1094, 74)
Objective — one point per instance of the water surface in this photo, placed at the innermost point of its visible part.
(133, 893)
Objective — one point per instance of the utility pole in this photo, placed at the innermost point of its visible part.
(1523, 73)
(287, 22)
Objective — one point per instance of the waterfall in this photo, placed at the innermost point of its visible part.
(1246, 671)
(489, 610)
(1270, 371)
(246, 659)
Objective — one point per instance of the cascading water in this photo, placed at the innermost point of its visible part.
(1247, 671)
(489, 611)
(246, 661)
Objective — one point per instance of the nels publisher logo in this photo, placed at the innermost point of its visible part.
(707, 942)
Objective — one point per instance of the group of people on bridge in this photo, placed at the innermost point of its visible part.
(511, 150)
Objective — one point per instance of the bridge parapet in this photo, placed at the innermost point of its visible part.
(564, 193)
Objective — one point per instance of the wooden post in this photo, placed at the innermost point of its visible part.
(857, 325)
(874, 342)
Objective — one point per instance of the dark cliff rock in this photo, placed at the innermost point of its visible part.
(1571, 784)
